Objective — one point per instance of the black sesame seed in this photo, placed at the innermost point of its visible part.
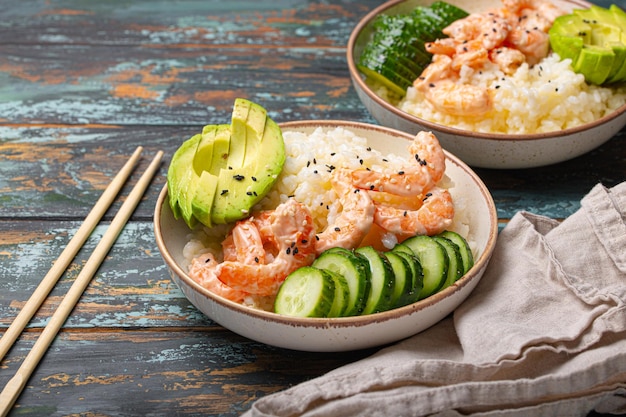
(224, 192)
(337, 229)
(239, 177)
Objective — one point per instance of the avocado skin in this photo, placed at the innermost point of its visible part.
(595, 41)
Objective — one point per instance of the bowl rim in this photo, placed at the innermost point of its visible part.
(428, 125)
(351, 321)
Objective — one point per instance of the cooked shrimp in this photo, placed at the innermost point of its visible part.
(292, 231)
(202, 270)
(427, 168)
(354, 221)
(459, 99)
(532, 42)
(439, 69)
(489, 28)
(433, 217)
(244, 243)
(507, 59)
(439, 84)
(544, 8)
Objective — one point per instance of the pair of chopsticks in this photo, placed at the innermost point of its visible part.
(14, 387)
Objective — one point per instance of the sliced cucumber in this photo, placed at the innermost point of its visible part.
(342, 295)
(434, 261)
(455, 266)
(306, 292)
(395, 55)
(354, 269)
(403, 273)
(382, 281)
(417, 276)
(466, 251)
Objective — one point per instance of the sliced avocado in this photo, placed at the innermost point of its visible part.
(238, 136)
(204, 153)
(593, 39)
(181, 161)
(595, 63)
(239, 189)
(568, 47)
(203, 198)
(212, 181)
(189, 183)
(221, 148)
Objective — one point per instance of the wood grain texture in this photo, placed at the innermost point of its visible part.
(192, 371)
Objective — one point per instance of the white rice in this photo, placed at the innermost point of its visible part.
(550, 96)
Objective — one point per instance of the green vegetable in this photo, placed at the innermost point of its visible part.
(218, 176)
(396, 55)
(366, 281)
(595, 40)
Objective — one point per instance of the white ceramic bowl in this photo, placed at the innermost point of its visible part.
(346, 333)
(478, 149)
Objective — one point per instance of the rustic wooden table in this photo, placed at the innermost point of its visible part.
(82, 84)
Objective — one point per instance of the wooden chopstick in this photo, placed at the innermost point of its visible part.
(68, 254)
(14, 387)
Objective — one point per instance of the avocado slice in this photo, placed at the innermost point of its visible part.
(181, 161)
(595, 63)
(240, 188)
(204, 153)
(203, 198)
(212, 181)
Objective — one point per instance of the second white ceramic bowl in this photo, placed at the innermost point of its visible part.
(479, 149)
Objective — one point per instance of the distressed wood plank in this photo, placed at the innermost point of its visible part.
(130, 86)
(130, 289)
(198, 371)
(190, 23)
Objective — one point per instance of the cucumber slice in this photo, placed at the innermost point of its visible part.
(306, 292)
(382, 281)
(417, 276)
(466, 251)
(455, 267)
(403, 274)
(342, 294)
(434, 261)
(355, 271)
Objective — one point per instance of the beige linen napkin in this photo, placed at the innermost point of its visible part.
(543, 334)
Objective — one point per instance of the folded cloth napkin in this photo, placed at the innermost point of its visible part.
(543, 334)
